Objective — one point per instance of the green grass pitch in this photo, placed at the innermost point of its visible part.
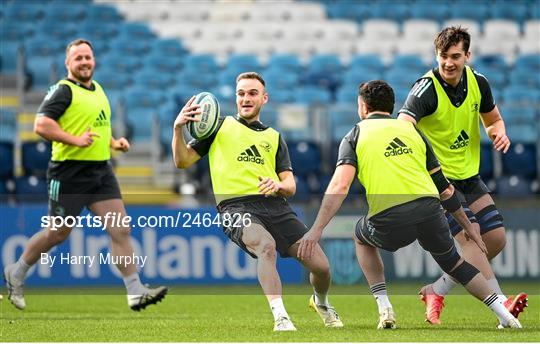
(241, 314)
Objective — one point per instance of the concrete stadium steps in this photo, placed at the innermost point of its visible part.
(9, 101)
(148, 195)
(25, 125)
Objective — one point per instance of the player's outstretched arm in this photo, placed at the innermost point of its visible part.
(50, 130)
(184, 156)
(495, 129)
(335, 194)
(451, 203)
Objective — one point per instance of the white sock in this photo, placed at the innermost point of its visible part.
(379, 293)
(494, 284)
(443, 285)
(278, 309)
(320, 298)
(20, 269)
(133, 284)
(495, 303)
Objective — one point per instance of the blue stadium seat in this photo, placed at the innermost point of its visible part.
(513, 114)
(227, 77)
(31, 189)
(278, 95)
(367, 61)
(412, 63)
(60, 32)
(312, 95)
(347, 93)
(438, 11)
(16, 31)
(131, 48)
(141, 97)
(356, 11)
(141, 121)
(528, 62)
(497, 79)
(513, 186)
(183, 91)
(322, 79)
(521, 158)
(163, 64)
(9, 52)
(168, 47)
(111, 80)
(287, 62)
(305, 157)
(7, 188)
(65, 12)
(521, 96)
(303, 192)
(393, 10)
(35, 157)
(140, 106)
(24, 11)
(135, 32)
(343, 117)
(358, 75)
(490, 62)
(400, 94)
(470, 10)
(225, 93)
(153, 80)
(95, 31)
(400, 78)
(201, 63)
(119, 63)
(525, 77)
(103, 14)
(7, 165)
(197, 79)
(280, 80)
(325, 63)
(270, 115)
(243, 62)
(486, 160)
(167, 113)
(40, 70)
(42, 46)
(8, 125)
(515, 10)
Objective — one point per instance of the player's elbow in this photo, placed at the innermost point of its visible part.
(180, 163)
(40, 128)
(338, 187)
(447, 193)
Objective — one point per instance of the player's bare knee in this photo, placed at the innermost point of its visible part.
(495, 242)
(267, 250)
(321, 266)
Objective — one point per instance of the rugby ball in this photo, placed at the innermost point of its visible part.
(209, 117)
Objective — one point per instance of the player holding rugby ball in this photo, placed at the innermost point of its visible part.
(252, 175)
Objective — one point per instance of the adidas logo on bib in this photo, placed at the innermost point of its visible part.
(101, 120)
(397, 147)
(251, 155)
(461, 141)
